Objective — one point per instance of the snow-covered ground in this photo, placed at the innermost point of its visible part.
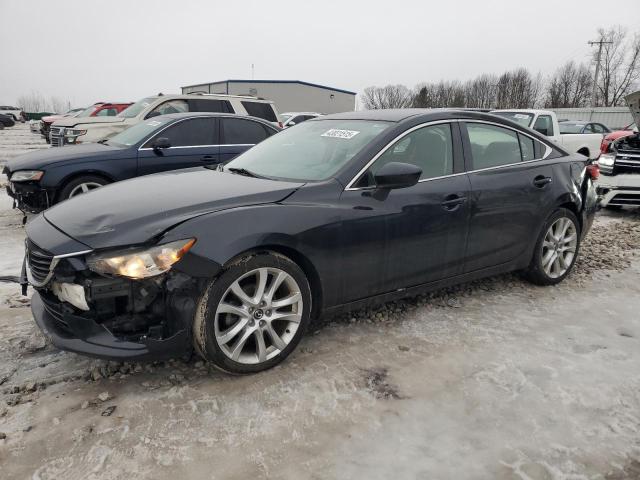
(494, 380)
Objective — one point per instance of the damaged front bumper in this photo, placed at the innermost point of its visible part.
(107, 316)
(619, 191)
(29, 197)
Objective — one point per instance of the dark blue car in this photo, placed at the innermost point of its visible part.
(169, 142)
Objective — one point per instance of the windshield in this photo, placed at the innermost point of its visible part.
(523, 119)
(566, 127)
(138, 132)
(87, 111)
(284, 117)
(313, 150)
(136, 108)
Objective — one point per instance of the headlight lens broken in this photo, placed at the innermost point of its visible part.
(141, 263)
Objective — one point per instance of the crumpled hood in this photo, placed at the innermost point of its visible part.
(73, 121)
(40, 159)
(134, 211)
(633, 100)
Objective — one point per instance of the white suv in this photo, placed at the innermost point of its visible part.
(289, 119)
(70, 131)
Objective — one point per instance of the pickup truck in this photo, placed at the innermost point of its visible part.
(546, 123)
(72, 131)
(619, 185)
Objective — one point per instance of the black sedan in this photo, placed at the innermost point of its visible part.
(45, 177)
(332, 214)
(6, 121)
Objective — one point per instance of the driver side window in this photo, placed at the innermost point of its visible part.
(429, 148)
(172, 106)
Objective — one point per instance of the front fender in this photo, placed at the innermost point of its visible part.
(312, 231)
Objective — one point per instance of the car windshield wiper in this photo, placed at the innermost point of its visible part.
(245, 172)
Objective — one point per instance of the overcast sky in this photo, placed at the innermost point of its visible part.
(90, 50)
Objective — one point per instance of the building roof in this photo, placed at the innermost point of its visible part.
(300, 82)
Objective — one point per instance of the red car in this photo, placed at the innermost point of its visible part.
(609, 138)
(98, 109)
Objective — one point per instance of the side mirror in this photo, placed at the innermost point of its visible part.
(542, 130)
(397, 175)
(160, 143)
(155, 113)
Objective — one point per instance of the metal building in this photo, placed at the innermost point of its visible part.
(612, 117)
(288, 95)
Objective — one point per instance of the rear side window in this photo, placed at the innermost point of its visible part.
(189, 133)
(236, 131)
(492, 146)
(526, 146)
(204, 105)
(260, 110)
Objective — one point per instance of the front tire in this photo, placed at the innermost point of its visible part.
(81, 185)
(253, 315)
(556, 249)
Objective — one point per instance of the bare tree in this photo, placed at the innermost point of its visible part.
(619, 64)
(481, 91)
(569, 87)
(58, 105)
(32, 102)
(390, 96)
(518, 89)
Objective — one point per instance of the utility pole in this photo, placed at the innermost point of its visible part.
(597, 72)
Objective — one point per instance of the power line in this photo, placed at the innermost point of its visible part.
(597, 72)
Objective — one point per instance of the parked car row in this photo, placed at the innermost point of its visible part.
(234, 258)
(76, 130)
(98, 109)
(620, 164)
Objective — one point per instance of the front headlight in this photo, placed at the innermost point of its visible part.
(607, 160)
(74, 132)
(27, 176)
(141, 263)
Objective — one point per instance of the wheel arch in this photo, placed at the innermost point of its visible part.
(75, 175)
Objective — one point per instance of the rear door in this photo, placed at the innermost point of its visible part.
(239, 135)
(194, 142)
(510, 193)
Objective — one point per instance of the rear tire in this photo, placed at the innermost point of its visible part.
(81, 185)
(556, 249)
(253, 315)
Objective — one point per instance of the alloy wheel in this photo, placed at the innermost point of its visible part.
(84, 188)
(258, 315)
(559, 247)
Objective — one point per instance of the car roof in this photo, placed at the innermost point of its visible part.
(211, 114)
(399, 115)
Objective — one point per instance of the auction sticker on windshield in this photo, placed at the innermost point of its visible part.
(337, 133)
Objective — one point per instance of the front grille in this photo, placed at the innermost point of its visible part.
(625, 199)
(628, 160)
(56, 136)
(39, 261)
(53, 308)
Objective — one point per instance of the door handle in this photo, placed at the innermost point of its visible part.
(541, 181)
(204, 158)
(453, 202)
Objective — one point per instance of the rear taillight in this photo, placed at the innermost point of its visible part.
(604, 146)
(593, 171)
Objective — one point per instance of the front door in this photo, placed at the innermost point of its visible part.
(193, 142)
(405, 237)
(510, 197)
